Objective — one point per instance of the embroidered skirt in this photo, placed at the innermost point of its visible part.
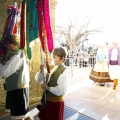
(100, 76)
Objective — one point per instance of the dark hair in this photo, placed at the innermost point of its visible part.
(13, 39)
(61, 52)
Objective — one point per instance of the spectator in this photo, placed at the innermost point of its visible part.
(114, 63)
(100, 73)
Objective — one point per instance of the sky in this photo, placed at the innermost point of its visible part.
(101, 13)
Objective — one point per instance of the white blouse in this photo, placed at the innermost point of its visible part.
(63, 81)
(114, 54)
(11, 66)
(14, 64)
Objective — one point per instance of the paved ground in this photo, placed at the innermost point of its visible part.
(91, 99)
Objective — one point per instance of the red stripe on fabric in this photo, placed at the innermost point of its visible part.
(15, 29)
(39, 8)
(23, 26)
(46, 14)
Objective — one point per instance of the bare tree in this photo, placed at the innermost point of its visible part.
(73, 36)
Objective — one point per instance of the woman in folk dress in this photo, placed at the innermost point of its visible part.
(100, 73)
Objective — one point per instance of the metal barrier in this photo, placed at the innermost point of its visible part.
(81, 62)
(87, 62)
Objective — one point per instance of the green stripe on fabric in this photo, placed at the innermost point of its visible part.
(24, 1)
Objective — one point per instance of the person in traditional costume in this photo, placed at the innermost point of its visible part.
(14, 69)
(114, 63)
(100, 71)
(56, 85)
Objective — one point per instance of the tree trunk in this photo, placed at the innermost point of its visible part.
(74, 46)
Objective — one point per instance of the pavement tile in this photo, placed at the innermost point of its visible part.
(90, 98)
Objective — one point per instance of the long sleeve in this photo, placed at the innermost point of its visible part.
(11, 66)
(39, 77)
(63, 82)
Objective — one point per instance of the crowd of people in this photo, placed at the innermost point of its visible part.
(81, 58)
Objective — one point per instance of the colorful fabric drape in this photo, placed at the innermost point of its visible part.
(10, 26)
(12, 11)
(45, 32)
(23, 25)
(33, 14)
(28, 21)
(43, 13)
(29, 24)
(45, 46)
(33, 24)
(46, 15)
(40, 11)
(15, 28)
